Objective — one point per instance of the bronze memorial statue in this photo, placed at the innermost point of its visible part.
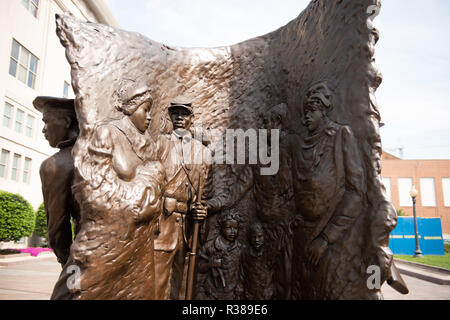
(61, 131)
(119, 188)
(57, 174)
(249, 171)
(220, 257)
(187, 163)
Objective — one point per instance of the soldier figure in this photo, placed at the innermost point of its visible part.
(187, 163)
(61, 131)
(57, 174)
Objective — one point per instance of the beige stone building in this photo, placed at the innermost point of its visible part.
(33, 63)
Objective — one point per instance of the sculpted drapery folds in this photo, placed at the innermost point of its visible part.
(329, 188)
(119, 187)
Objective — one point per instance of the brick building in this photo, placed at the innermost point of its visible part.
(430, 177)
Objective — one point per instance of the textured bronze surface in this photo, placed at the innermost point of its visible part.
(313, 228)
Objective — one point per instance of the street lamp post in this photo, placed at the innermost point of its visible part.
(413, 193)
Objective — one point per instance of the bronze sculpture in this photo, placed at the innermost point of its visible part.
(119, 188)
(258, 266)
(273, 201)
(328, 184)
(57, 174)
(61, 131)
(220, 257)
(186, 162)
(323, 211)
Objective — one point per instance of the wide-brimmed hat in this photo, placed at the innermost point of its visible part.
(181, 102)
(54, 102)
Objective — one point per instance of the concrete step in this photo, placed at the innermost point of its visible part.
(425, 272)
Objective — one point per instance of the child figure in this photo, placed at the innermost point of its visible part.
(221, 258)
(257, 265)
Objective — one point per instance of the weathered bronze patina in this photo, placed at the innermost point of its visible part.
(295, 211)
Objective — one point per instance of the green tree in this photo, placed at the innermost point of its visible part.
(41, 222)
(17, 217)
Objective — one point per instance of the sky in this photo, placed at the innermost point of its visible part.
(413, 54)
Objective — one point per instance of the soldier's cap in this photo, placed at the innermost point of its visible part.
(181, 102)
(54, 102)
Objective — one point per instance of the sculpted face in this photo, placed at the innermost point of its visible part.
(313, 117)
(141, 117)
(257, 238)
(181, 118)
(56, 126)
(230, 229)
(377, 150)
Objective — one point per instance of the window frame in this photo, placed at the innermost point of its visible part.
(26, 172)
(387, 187)
(423, 199)
(17, 169)
(30, 128)
(11, 116)
(20, 64)
(66, 88)
(6, 164)
(444, 189)
(400, 197)
(16, 121)
(29, 4)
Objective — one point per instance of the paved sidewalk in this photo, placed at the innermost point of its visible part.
(418, 290)
(34, 280)
(31, 280)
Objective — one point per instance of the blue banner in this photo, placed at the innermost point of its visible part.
(402, 239)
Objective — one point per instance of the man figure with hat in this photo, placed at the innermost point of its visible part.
(61, 131)
(187, 163)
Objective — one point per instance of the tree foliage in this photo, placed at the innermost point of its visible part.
(41, 222)
(17, 217)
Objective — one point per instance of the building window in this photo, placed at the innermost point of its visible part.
(404, 186)
(23, 64)
(29, 126)
(387, 185)
(66, 90)
(32, 6)
(19, 120)
(446, 191)
(7, 115)
(428, 192)
(4, 159)
(15, 167)
(26, 170)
